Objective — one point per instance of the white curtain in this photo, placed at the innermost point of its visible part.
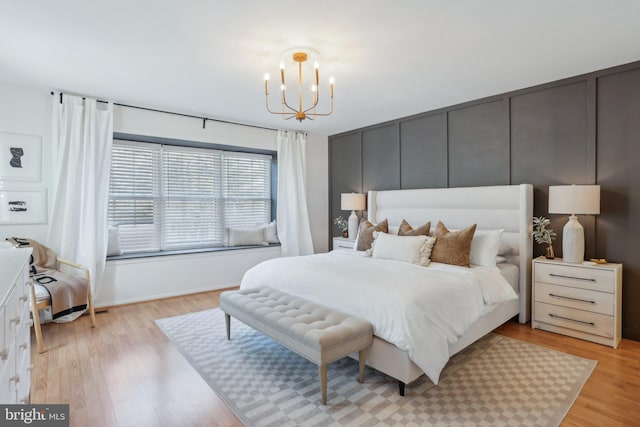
(294, 230)
(82, 136)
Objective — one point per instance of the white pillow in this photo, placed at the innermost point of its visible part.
(271, 232)
(247, 237)
(500, 259)
(412, 249)
(503, 248)
(484, 247)
(113, 244)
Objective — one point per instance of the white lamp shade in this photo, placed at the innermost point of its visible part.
(352, 202)
(574, 199)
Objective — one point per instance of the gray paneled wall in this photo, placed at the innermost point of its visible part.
(381, 158)
(345, 156)
(618, 160)
(581, 130)
(478, 145)
(424, 152)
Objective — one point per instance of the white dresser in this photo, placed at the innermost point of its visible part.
(15, 330)
(579, 300)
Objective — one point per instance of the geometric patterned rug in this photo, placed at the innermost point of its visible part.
(497, 381)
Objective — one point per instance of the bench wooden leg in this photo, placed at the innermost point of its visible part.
(227, 321)
(401, 388)
(362, 356)
(323, 383)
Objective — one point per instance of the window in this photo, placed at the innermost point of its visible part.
(165, 197)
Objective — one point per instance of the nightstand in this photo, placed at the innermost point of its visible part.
(343, 243)
(579, 300)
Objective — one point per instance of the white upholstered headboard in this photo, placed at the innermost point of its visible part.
(509, 207)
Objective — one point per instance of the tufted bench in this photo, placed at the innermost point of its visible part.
(317, 333)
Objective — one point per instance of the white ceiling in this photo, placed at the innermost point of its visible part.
(389, 58)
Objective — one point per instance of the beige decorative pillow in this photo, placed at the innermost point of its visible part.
(425, 251)
(412, 249)
(453, 247)
(407, 230)
(365, 233)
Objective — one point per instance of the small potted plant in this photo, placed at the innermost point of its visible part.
(343, 225)
(544, 235)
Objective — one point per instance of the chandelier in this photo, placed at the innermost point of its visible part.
(298, 57)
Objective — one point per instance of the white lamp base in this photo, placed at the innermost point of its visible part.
(573, 241)
(353, 225)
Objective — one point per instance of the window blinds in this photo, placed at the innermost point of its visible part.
(170, 198)
(134, 195)
(247, 189)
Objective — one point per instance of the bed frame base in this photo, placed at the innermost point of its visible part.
(389, 359)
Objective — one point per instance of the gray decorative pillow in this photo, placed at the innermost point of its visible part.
(247, 237)
(365, 233)
(406, 229)
(453, 247)
(113, 244)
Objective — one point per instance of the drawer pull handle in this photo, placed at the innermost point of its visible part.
(4, 353)
(572, 320)
(571, 298)
(24, 399)
(15, 378)
(22, 298)
(23, 346)
(572, 277)
(15, 320)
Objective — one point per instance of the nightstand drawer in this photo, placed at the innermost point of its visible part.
(582, 299)
(575, 276)
(342, 243)
(585, 321)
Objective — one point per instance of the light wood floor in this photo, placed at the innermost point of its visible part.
(125, 372)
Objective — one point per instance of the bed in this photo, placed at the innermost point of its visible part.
(340, 279)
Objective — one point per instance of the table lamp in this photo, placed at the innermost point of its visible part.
(352, 202)
(574, 199)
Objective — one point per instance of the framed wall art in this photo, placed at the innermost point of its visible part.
(23, 206)
(20, 157)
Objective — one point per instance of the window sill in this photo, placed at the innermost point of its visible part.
(186, 252)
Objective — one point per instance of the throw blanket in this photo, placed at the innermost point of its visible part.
(69, 293)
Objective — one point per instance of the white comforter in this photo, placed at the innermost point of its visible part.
(419, 309)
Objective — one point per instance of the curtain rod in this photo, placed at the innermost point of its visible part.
(204, 119)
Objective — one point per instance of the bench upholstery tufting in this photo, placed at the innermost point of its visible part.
(317, 333)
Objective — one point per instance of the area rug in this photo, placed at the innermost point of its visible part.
(498, 381)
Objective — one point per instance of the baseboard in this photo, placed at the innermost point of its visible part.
(631, 334)
(107, 304)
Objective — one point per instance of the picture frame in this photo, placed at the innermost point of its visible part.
(20, 157)
(28, 206)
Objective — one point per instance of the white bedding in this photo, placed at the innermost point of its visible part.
(419, 309)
